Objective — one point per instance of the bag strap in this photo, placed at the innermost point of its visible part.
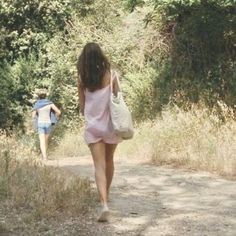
(114, 75)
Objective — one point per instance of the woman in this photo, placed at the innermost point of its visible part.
(94, 93)
(45, 113)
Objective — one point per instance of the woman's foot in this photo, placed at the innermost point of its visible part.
(104, 215)
(44, 158)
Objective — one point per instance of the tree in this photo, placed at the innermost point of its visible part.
(26, 27)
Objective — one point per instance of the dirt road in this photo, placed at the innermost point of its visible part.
(156, 201)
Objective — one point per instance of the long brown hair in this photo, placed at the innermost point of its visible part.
(92, 66)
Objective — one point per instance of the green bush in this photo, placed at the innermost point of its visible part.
(201, 61)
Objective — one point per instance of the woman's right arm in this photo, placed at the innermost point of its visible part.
(115, 84)
(81, 96)
(57, 111)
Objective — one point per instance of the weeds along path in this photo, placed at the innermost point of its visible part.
(152, 201)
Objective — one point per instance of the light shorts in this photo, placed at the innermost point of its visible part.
(94, 136)
(44, 128)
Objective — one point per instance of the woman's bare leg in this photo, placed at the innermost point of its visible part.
(98, 154)
(46, 142)
(110, 149)
(42, 141)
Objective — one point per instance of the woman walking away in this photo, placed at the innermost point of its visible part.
(94, 90)
(45, 114)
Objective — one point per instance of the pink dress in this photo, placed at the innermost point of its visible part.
(98, 126)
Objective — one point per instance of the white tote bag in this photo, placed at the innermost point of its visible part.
(120, 115)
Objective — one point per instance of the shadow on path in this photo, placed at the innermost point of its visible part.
(152, 201)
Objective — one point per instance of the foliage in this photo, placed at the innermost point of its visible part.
(62, 52)
(132, 4)
(26, 27)
(61, 28)
(175, 53)
(194, 50)
(30, 24)
(18, 82)
(139, 93)
(199, 138)
(7, 109)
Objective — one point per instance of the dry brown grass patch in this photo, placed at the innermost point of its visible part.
(35, 191)
(198, 138)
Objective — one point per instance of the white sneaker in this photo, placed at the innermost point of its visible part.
(104, 215)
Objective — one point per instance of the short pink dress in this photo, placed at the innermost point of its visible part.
(98, 126)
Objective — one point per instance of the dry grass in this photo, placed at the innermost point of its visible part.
(34, 191)
(197, 138)
(70, 145)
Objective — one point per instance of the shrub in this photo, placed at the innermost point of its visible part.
(197, 138)
(200, 60)
(43, 192)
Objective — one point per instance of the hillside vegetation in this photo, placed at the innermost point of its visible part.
(176, 61)
(179, 51)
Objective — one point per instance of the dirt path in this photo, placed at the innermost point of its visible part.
(155, 201)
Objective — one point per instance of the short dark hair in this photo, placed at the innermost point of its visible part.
(42, 95)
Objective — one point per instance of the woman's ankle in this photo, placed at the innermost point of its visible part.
(105, 205)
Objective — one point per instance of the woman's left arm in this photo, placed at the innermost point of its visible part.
(56, 110)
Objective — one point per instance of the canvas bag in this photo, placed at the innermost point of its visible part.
(120, 115)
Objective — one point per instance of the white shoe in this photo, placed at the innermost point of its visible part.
(104, 215)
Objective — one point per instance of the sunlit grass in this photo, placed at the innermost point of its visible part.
(35, 191)
(198, 138)
(70, 145)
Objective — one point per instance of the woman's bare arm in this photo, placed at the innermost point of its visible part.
(34, 114)
(115, 88)
(57, 111)
(81, 96)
